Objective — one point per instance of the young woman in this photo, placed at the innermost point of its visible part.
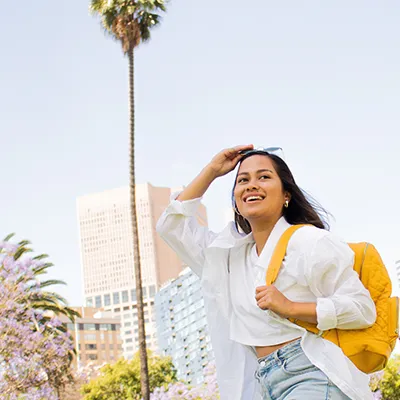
(259, 352)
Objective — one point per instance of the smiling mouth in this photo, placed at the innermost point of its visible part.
(253, 199)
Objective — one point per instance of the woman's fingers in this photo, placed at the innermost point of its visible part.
(243, 147)
(237, 149)
(260, 295)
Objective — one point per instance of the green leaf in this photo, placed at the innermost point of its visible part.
(21, 251)
(7, 238)
(24, 243)
(51, 282)
(40, 257)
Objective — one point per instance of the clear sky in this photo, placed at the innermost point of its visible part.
(320, 79)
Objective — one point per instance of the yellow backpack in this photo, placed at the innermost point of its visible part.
(369, 349)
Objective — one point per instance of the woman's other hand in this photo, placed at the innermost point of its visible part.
(226, 160)
(270, 298)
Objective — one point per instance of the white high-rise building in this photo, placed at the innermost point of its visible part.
(182, 326)
(398, 272)
(107, 256)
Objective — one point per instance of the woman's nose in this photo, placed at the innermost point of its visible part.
(252, 186)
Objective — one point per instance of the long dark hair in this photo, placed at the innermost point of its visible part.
(303, 209)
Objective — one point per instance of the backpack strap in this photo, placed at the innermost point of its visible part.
(273, 271)
(279, 254)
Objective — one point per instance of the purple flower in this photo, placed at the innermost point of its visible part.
(179, 390)
(33, 354)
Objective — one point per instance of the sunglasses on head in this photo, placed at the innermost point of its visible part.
(277, 151)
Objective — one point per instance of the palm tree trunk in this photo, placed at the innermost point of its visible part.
(144, 371)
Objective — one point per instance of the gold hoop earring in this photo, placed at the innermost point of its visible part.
(286, 204)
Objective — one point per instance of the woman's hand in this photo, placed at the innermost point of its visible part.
(270, 298)
(226, 160)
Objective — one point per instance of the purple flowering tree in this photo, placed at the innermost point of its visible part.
(35, 349)
(208, 390)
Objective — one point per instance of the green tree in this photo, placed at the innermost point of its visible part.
(122, 379)
(129, 22)
(390, 382)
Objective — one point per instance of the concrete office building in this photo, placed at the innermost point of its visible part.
(96, 337)
(107, 256)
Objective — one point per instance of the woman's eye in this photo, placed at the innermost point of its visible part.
(242, 180)
(264, 177)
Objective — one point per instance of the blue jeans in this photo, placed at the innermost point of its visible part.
(287, 374)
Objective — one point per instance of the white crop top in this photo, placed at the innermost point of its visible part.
(249, 324)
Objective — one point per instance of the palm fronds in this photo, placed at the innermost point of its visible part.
(128, 21)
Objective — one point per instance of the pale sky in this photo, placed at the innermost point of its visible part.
(320, 79)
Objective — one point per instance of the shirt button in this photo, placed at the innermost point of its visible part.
(262, 363)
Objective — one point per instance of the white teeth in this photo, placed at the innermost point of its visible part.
(253, 198)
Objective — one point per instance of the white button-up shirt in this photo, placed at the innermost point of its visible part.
(318, 267)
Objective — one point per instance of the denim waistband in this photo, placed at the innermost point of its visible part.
(281, 353)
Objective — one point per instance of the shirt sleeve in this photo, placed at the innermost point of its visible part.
(181, 230)
(342, 300)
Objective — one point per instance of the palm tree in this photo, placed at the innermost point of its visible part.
(47, 302)
(129, 22)
(43, 300)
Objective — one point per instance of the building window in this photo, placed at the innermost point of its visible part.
(91, 347)
(91, 356)
(133, 294)
(89, 302)
(97, 301)
(107, 300)
(89, 327)
(116, 298)
(152, 290)
(90, 337)
(125, 297)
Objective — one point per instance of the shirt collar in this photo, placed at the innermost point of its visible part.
(269, 247)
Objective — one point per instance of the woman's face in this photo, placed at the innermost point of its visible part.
(258, 190)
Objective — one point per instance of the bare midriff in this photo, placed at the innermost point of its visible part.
(263, 351)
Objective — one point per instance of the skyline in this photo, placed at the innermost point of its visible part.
(321, 81)
(107, 254)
